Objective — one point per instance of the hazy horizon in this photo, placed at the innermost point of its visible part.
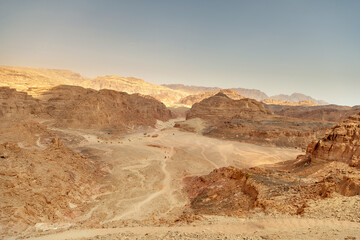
(278, 47)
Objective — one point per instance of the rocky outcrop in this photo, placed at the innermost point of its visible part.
(192, 99)
(14, 104)
(241, 192)
(53, 185)
(220, 106)
(35, 81)
(78, 107)
(340, 143)
(248, 120)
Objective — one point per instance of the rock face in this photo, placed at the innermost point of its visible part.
(222, 106)
(44, 186)
(192, 99)
(240, 192)
(35, 81)
(340, 143)
(14, 104)
(78, 107)
(249, 121)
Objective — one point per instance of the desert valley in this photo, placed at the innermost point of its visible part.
(121, 158)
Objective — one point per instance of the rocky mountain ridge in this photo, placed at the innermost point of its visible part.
(73, 106)
(35, 81)
(250, 121)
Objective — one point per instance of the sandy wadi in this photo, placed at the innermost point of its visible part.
(81, 163)
(42, 181)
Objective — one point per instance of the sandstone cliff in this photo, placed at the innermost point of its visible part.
(340, 143)
(14, 104)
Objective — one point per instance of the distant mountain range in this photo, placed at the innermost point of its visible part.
(249, 93)
(36, 81)
(297, 97)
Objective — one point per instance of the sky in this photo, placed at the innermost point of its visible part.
(278, 46)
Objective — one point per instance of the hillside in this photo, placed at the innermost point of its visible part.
(192, 99)
(248, 120)
(297, 97)
(77, 107)
(37, 80)
(191, 89)
(135, 85)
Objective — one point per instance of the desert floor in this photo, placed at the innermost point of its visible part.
(147, 170)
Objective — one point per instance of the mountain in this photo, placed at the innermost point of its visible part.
(248, 93)
(248, 120)
(223, 107)
(192, 99)
(77, 107)
(252, 93)
(37, 80)
(135, 85)
(297, 97)
(191, 89)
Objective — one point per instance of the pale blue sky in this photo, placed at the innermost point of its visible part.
(278, 46)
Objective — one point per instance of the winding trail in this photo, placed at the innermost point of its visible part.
(147, 173)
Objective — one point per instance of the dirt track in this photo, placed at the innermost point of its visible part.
(147, 172)
(146, 178)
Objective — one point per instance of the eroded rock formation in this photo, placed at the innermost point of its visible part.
(45, 186)
(192, 99)
(248, 120)
(340, 143)
(77, 107)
